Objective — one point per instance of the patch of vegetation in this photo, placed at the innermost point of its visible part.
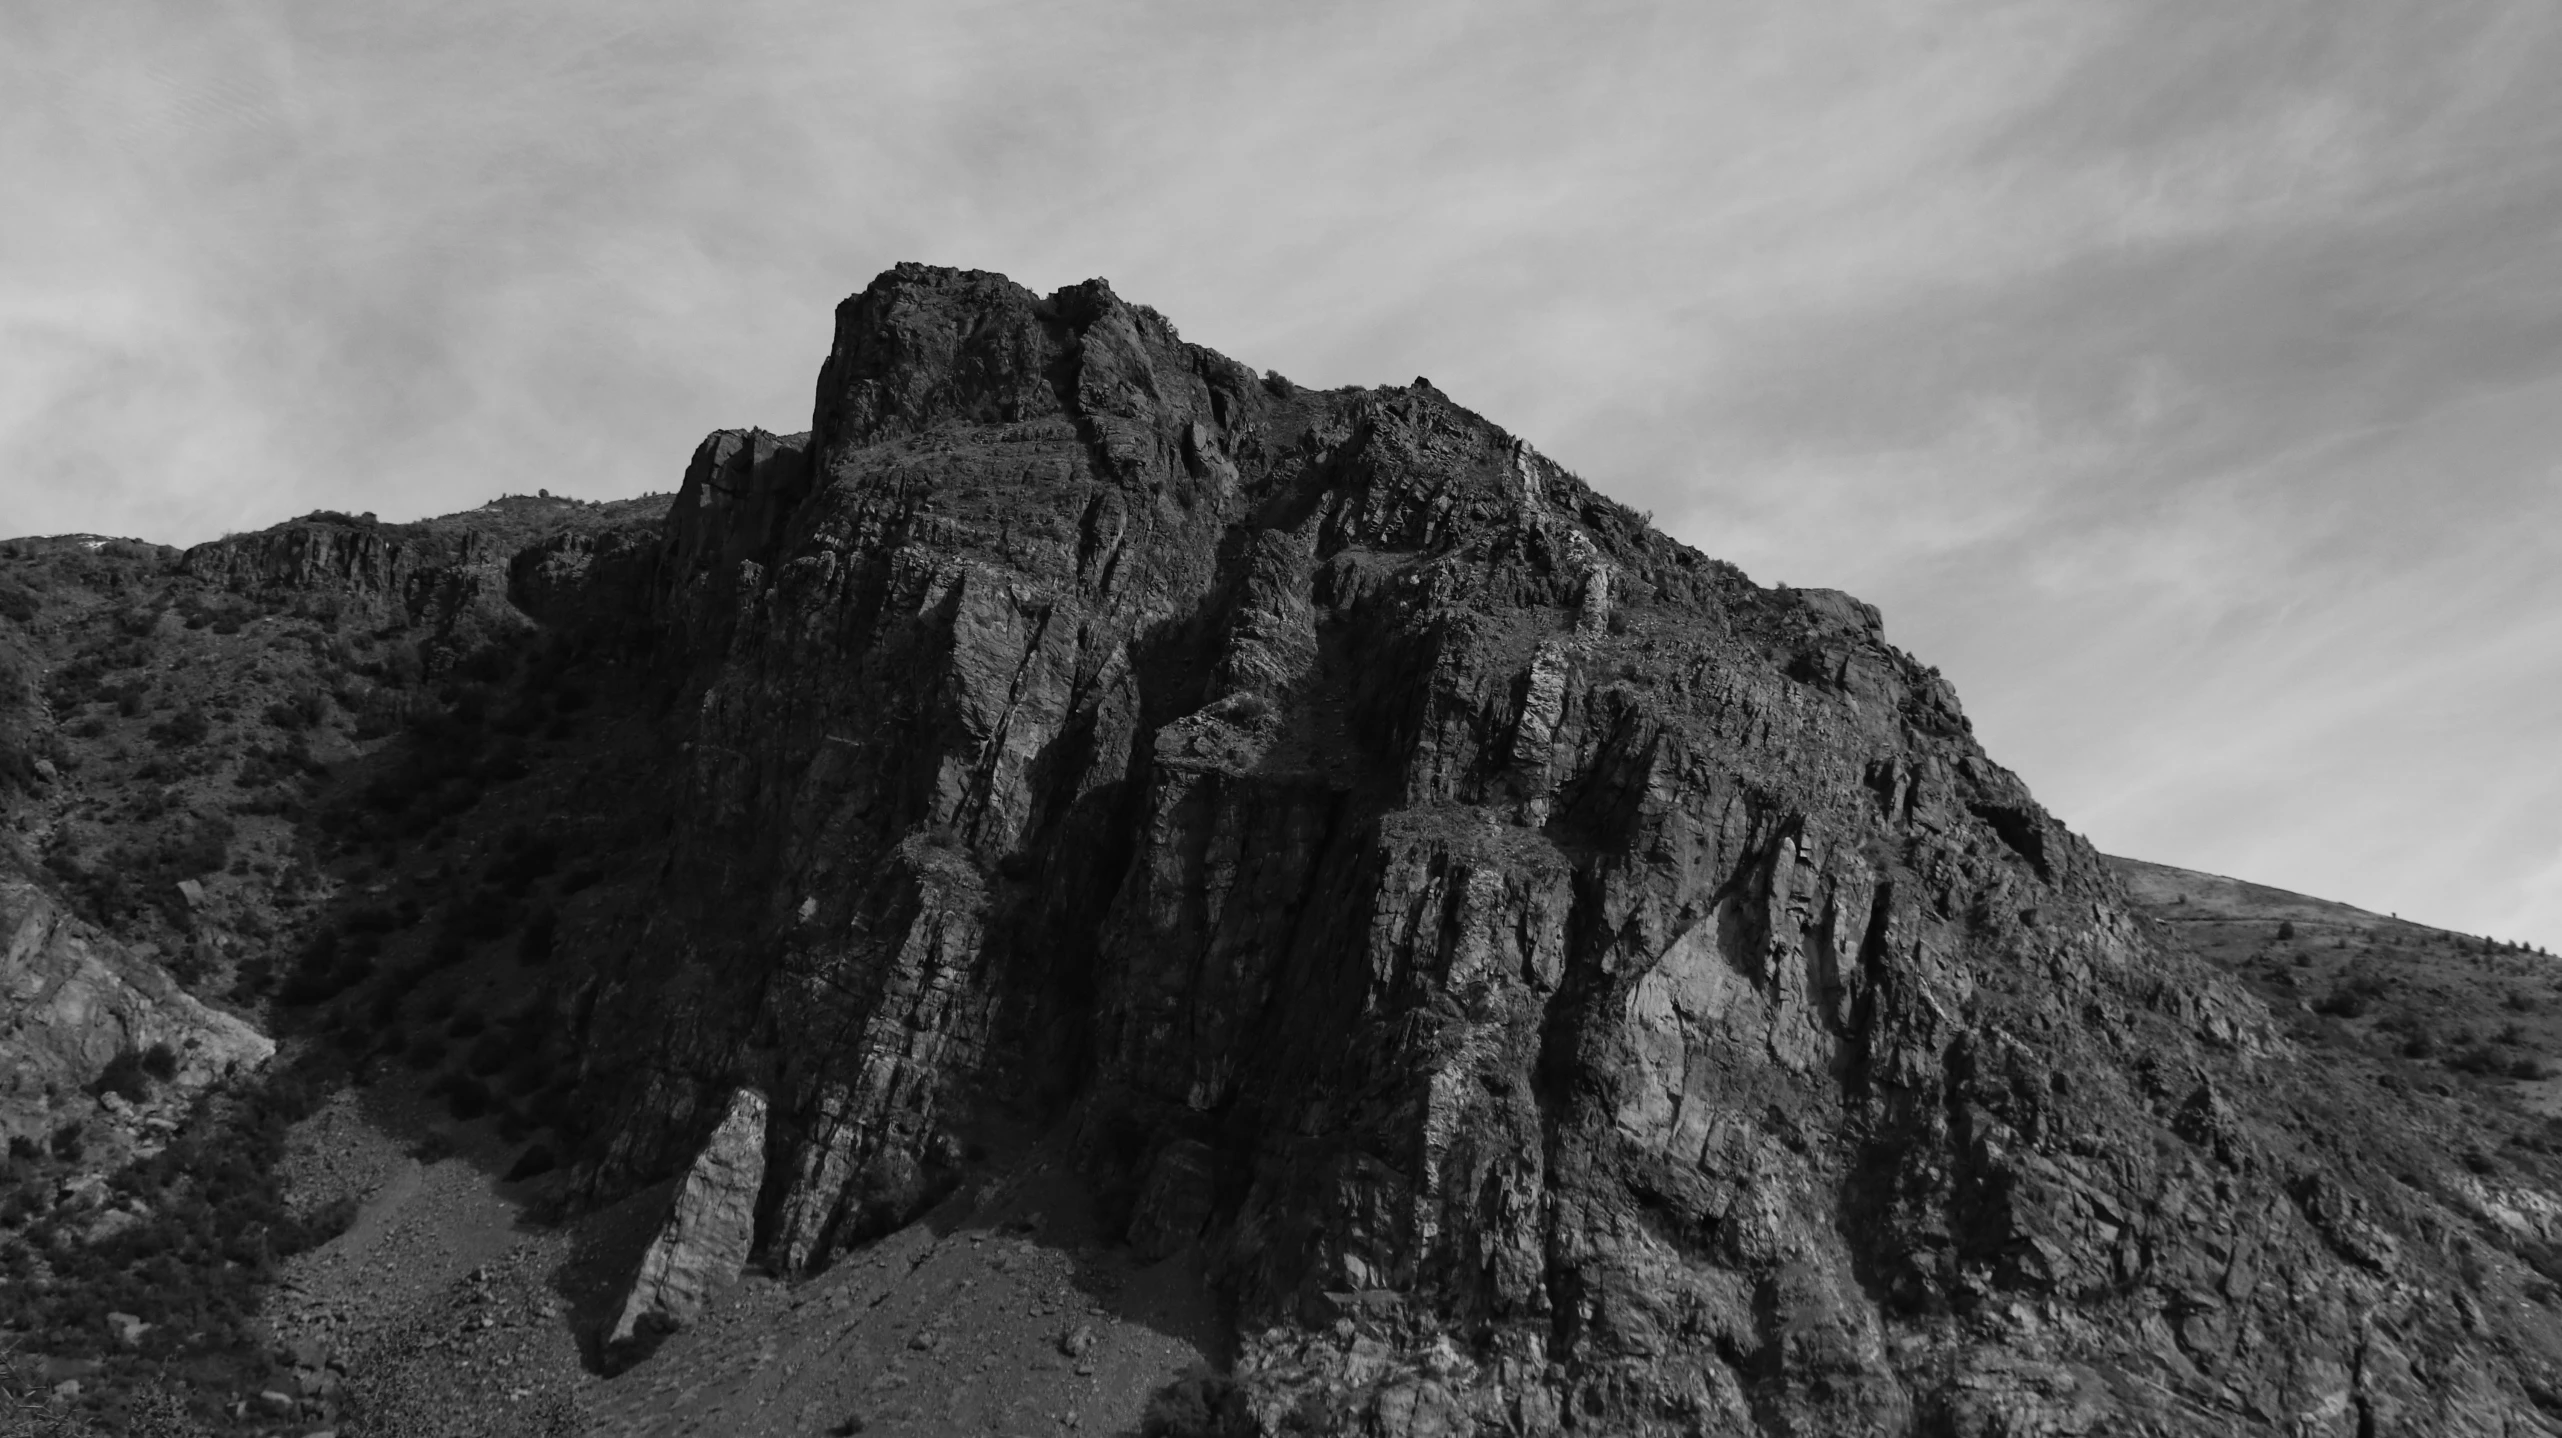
(184, 729)
(131, 1074)
(207, 1224)
(131, 878)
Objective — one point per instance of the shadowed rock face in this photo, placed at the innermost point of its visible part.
(1558, 982)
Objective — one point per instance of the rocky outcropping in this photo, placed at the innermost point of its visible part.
(390, 573)
(73, 999)
(1556, 982)
(709, 1229)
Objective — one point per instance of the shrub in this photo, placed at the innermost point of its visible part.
(534, 1163)
(324, 1223)
(449, 947)
(2481, 1060)
(186, 728)
(305, 709)
(19, 603)
(2285, 930)
(123, 1077)
(491, 1054)
(370, 919)
(425, 1052)
(160, 1061)
(534, 946)
(466, 1097)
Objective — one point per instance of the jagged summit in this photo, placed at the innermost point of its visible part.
(1309, 852)
(1399, 870)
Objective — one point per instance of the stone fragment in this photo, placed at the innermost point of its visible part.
(705, 1239)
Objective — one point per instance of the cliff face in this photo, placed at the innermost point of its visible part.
(1557, 983)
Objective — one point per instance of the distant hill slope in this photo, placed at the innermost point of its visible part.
(2422, 1003)
(2177, 894)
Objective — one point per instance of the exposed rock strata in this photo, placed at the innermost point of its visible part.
(1559, 983)
(709, 1228)
(72, 999)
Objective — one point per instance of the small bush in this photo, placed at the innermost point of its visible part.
(160, 1062)
(2481, 1060)
(492, 1053)
(484, 916)
(449, 947)
(19, 603)
(370, 919)
(535, 1162)
(425, 1052)
(534, 946)
(124, 1077)
(307, 708)
(466, 1097)
(184, 729)
(324, 1223)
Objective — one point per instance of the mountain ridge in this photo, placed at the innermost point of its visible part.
(1538, 977)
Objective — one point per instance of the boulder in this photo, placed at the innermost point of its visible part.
(709, 1226)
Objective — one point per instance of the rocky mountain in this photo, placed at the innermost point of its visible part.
(1092, 860)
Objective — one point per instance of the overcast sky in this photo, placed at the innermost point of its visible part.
(2184, 379)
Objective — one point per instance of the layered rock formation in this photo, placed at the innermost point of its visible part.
(73, 999)
(710, 1227)
(1558, 983)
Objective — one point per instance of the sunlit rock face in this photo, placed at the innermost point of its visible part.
(709, 1228)
(73, 998)
(1556, 982)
